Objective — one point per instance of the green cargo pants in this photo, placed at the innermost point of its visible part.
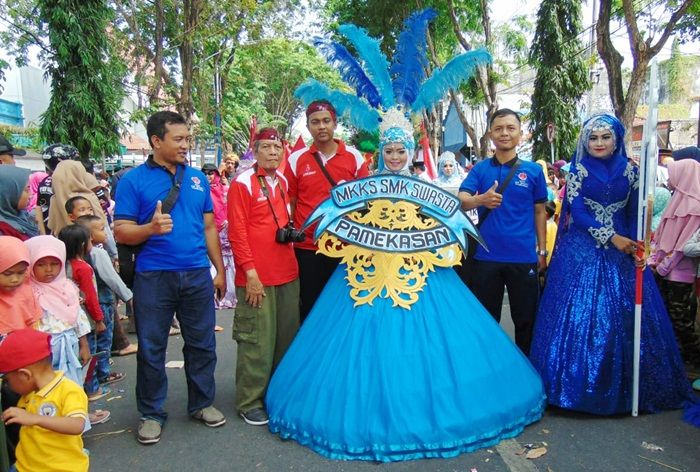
(263, 336)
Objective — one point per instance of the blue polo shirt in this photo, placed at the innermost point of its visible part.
(509, 230)
(185, 247)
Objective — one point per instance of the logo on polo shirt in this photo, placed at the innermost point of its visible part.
(522, 180)
(308, 170)
(196, 184)
(47, 409)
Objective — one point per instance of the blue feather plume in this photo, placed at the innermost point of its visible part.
(456, 71)
(350, 70)
(374, 60)
(410, 59)
(357, 112)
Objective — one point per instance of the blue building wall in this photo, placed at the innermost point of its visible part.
(11, 113)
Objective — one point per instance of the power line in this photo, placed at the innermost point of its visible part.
(582, 50)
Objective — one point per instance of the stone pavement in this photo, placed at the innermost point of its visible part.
(574, 442)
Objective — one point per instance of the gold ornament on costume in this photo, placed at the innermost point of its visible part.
(372, 273)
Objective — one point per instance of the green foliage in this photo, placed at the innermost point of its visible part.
(679, 72)
(562, 77)
(262, 83)
(85, 77)
(688, 27)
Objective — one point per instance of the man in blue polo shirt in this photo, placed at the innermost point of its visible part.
(172, 273)
(514, 229)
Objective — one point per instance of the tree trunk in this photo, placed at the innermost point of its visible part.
(643, 51)
(484, 78)
(154, 92)
(191, 10)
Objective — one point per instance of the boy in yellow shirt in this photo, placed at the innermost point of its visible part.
(52, 410)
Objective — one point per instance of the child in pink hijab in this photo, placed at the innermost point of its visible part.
(679, 222)
(18, 307)
(58, 297)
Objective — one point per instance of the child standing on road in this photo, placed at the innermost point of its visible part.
(52, 411)
(108, 283)
(78, 245)
(18, 307)
(60, 304)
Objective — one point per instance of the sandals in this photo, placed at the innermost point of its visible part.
(113, 378)
(99, 417)
(130, 349)
(102, 392)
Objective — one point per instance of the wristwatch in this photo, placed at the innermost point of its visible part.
(544, 253)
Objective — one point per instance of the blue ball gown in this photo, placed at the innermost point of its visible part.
(583, 338)
(383, 383)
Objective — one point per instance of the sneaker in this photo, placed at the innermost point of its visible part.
(149, 431)
(255, 417)
(210, 416)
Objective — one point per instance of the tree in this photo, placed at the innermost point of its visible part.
(262, 83)
(461, 24)
(562, 76)
(643, 50)
(85, 76)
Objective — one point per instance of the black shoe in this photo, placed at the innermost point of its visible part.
(255, 417)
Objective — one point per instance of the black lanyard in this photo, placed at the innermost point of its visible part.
(266, 192)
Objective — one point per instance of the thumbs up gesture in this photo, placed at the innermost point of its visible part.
(492, 199)
(161, 223)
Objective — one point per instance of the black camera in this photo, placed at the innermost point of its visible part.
(289, 234)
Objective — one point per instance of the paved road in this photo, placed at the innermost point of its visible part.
(574, 442)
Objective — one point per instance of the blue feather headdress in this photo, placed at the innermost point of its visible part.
(370, 75)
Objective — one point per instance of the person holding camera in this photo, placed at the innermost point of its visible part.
(267, 274)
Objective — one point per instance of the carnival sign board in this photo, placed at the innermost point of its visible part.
(452, 224)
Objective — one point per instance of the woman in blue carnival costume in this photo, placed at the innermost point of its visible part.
(387, 379)
(583, 340)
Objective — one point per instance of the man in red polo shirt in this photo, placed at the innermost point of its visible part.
(267, 277)
(311, 173)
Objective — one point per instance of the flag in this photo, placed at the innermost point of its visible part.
(430, 167)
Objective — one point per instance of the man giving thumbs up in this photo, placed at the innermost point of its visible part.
(172, 271)
(513, 224)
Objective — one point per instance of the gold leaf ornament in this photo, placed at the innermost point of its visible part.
(396, 276)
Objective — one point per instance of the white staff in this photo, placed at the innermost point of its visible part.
(647, 184)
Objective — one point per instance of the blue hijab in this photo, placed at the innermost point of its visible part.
(603, 169)
(13, 181)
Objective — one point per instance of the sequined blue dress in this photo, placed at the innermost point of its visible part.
(583, 338)
(384, 383)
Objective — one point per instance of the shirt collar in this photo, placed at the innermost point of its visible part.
(510, 163)
(341, 148)
(152, 164)
(51, 385)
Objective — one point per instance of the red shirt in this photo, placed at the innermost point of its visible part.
(84, 278)
(310, 186)
(252, 229)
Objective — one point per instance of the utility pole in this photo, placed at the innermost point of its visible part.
(217, 116)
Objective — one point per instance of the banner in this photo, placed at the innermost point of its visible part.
(452, 223)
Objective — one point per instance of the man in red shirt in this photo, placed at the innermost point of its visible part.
(311, 173)
(267, 276)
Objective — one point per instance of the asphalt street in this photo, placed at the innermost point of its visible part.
(573, 442)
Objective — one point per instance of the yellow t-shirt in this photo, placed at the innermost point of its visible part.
(42, 450)
(551, 238)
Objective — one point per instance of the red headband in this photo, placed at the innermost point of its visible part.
(320, 106)
(268, 133)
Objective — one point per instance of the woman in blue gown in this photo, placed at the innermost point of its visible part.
(583, 339)
(374, 380)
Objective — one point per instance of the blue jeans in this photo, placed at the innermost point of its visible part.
(98, 343)
(190, 296)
